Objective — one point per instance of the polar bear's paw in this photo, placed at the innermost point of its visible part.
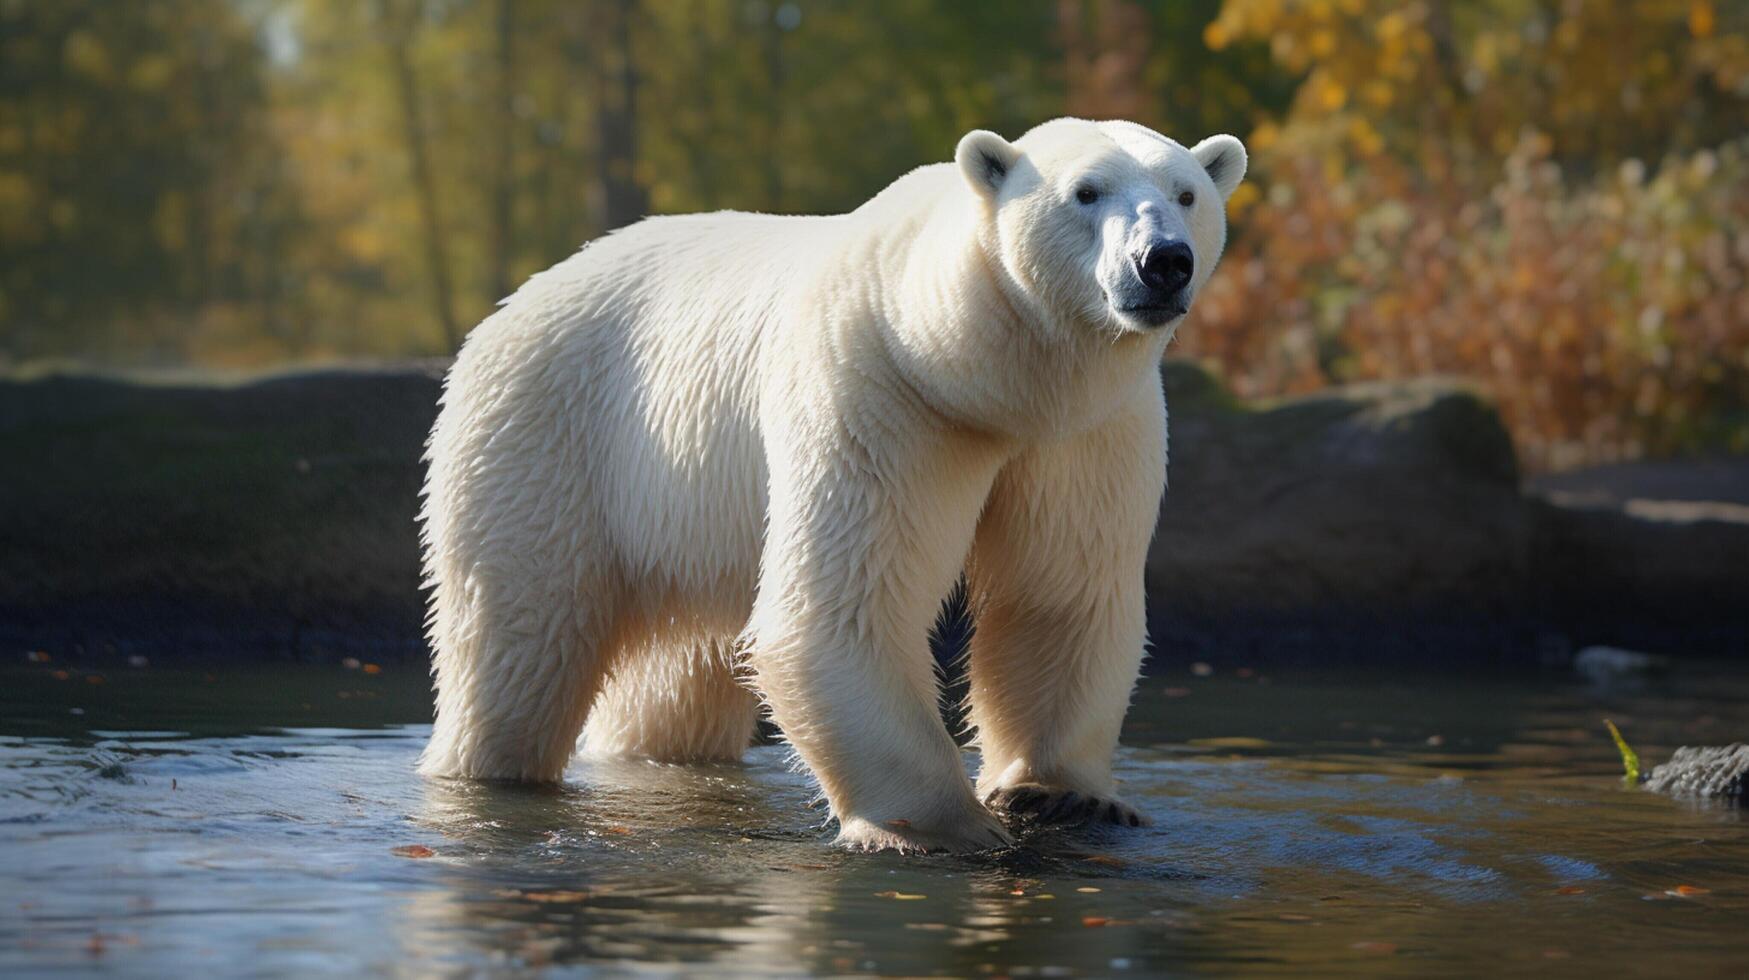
(1061, 805)
(979, 831)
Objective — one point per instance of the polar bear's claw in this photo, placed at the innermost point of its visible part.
(982, 833)
(1059, 805)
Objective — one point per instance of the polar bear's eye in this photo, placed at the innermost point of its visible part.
(1086, 194)
(1186, 199)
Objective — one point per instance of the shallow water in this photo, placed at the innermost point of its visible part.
(1334, 824)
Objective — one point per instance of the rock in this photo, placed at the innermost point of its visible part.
(1378, 515)
(267, 519)
(1602, 663)
(1707, 771)
(1642, 572)
(275, 518)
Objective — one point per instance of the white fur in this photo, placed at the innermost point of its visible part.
(788, 437)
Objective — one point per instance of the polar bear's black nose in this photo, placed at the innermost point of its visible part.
(1167, 266)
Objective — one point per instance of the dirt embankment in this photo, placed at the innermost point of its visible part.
(276, 519)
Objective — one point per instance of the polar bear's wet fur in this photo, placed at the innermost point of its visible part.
(719, 460)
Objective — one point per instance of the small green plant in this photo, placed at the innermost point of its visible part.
(1630, 760)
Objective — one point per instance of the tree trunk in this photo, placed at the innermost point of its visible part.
(620, 199)
(503, 156)
(400, 25)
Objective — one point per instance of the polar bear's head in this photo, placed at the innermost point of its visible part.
(1106, 223)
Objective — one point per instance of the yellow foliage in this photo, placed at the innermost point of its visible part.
(1700, 19)
(1245, 196)
(1417, 212)
(1264, 136)
(364, 243)
(85, 55)
(16, 199)
(152, 71)
(1331, 95)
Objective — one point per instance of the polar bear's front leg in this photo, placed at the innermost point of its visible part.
(862, 546)
(1055, 586)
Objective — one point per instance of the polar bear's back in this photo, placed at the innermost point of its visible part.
(613, 402)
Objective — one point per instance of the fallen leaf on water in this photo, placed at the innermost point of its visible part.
(99, 944)
(413, 851)
(1369, 946)
(619, 830)
(60, 675)
(901, 896)
(1231, 742)
(557, 896)
(1687, 891)
(372, 669)
(1569, 890)
(1104, 859)
(94, 679)
(37, 657)
(1094, 921)
(1087, 890)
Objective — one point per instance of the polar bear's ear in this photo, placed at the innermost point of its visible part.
(1223, 157)
(984, 160)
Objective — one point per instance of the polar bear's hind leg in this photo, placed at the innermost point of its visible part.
(514, 689)
(674, 701)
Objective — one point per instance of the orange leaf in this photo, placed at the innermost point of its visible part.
(557, 896)
(414, 851)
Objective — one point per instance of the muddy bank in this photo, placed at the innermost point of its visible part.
(275, 519)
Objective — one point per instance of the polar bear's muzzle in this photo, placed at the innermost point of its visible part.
(1160, 292)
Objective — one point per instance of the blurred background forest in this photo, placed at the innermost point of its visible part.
(1549, 198)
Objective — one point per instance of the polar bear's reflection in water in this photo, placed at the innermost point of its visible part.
(711, 864)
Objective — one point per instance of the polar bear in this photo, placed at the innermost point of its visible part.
(717, 462)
